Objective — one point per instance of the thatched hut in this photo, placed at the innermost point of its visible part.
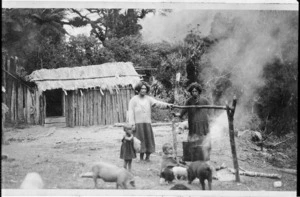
(86, 95)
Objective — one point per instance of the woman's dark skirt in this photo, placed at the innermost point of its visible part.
(144, 132)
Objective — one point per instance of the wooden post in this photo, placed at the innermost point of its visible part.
(111, 107)
(44, 109)
(91, 106)
(20, 103)
(95, 102)
(82, 107)
(88, 104)
(37, 108)
(25, 106)
(75, 120)
(174, 138)
(176, 87)
(29, 105)
(4, 58)
(9, 85)
(230, 114)
(73, 101)
(13, 103)
(99, 108)
(125, 105)
(78, 97)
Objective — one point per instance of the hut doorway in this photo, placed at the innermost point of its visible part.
(54, 103)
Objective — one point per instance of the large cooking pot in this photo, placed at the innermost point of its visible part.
(195, 151)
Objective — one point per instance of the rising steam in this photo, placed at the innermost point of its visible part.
(246, 42)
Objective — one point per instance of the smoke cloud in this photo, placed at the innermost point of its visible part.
(176, 25)
(246, 42)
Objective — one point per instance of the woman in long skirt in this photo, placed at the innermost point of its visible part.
(140, 116)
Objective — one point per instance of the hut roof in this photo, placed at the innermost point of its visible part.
(106, 76)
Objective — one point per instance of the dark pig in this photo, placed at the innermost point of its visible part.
(201, 170)
(167, 174)
(179, 187)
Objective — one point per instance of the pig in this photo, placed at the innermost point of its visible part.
(111, 173)
(32, 180)
(179, 171)
(201, 170)
(179, 187)
(167, 174)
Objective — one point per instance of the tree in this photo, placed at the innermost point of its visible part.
(194, 48)
(87, 50)
(26, 32)
(23, 29)
(278, 102)
(110, 23)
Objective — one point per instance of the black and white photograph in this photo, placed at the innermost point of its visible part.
(144, 98)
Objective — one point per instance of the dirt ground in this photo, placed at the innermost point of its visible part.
(60, 155)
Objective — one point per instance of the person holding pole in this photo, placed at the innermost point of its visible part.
(198, 119)
(139, 117)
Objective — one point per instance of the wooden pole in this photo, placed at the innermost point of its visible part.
(92, 107)
(100, 113)
(71, 108)
(76, 107)
(113, 107)
(4, 58)
(176, 87)
(25, 106)
(95, 102)
(201, 107)
(230, 114)
(37, 107)
(44, 109)
(88, 104)
(28, 105)
(123, 103)
(12, 101)
(174, 138)
(79, 104)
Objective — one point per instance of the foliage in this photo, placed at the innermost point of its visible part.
(194, 48)
(87, 50)
(29, 33)
(278, 101)
(110, 23)
(24, 29)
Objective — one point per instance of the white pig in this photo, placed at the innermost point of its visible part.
(32, 181)
(110, 173)
(179, 171)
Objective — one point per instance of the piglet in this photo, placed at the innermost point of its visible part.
(167, 175)
(202, 171)
(179, 171)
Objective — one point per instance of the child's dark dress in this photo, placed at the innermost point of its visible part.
(127, 149)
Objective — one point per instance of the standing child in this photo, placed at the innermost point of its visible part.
(127, 149)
